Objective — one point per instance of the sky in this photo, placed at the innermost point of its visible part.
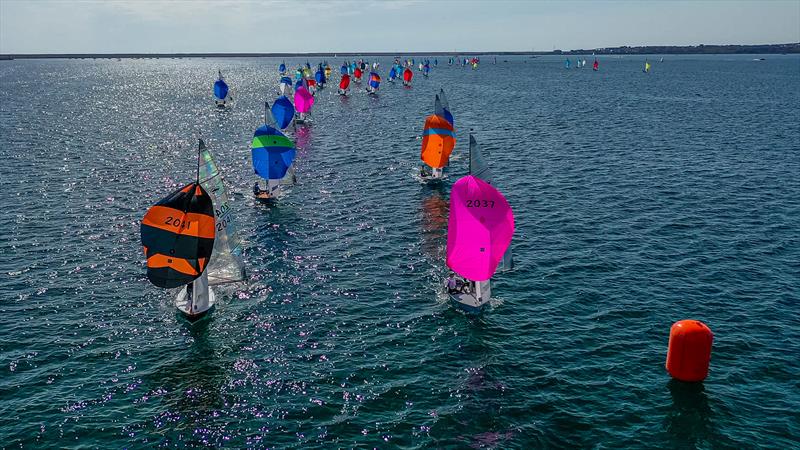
(298, 26)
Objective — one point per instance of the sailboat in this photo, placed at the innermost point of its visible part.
(426, 69)
(282, 68)
(344, 83)
(392, 74)
(303, 101)
(646, 66)
(479, 232)
(374, 83)
(408, 75)
(320, 77)
(566, 63)
(596, 65)
(285, 86)
(283, 112)
(222, 93)
(178, 234)
(226, 264)
(357, 72)
(438, 140)
(273, 154)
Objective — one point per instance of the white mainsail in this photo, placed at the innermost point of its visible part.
(226, 264)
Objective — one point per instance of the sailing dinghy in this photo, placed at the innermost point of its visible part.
(408, 75)
(438, 141)
(273, 154)
(374, 83)
(479, 232)
(222, 93)
(178, 235)
(226, 265)
(344, 83)
(303, 101)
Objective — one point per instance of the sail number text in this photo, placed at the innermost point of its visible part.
(480, 203)
(178, 223)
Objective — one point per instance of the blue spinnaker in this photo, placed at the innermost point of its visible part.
(272, 152)
(283, 111)
(220, 89)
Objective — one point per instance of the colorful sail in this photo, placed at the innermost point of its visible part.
(220, 88)
(479, 229)
(303, 100)
(282, 112)
(646, 66)
(343, 70)
(272, 153)
(438, 141)
(374, 81)
(282, 68)
(226, 264)
(344, 82)
(596, 65)
(392, 73)
(408, 74)
(319, 77)
(178, 236)
(566, 63)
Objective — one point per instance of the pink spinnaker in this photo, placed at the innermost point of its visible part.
(303, 100)
(479, 229)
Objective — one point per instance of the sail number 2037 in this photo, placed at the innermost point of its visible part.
(480, 203)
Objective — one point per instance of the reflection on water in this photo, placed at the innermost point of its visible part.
(435, 209)
(688, 421)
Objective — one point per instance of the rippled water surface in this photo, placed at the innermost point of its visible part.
(640, 200)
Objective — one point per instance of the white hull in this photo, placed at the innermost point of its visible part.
(473, 301)
(202, 301)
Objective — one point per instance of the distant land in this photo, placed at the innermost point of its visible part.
(624, 50)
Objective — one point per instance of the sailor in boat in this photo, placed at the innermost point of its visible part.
(262, 195)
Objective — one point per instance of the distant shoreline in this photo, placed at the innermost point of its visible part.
(623, 50)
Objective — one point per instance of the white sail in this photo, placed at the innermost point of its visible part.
(477, 165)
(226, 264)
(507, 263)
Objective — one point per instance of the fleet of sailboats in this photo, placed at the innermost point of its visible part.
(190, 237)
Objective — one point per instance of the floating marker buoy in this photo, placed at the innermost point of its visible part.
(689, 350)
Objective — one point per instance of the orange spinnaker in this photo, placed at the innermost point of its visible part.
(438, 141)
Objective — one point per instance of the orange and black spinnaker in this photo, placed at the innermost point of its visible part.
(178, 236)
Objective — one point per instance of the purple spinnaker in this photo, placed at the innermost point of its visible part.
(303, 100)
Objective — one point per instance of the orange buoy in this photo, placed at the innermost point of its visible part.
(689, 350)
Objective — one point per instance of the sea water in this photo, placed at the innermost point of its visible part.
(639, 199)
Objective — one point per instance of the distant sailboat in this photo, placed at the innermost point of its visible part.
(426, 69)
(479, 233)
(408, 75)
(567, 63)
(273, 156)
(283, 112)
(282, 68)
(320, 77)
(303, 101)
(438, 141)
(344, 83)
(646, 66)
(226, 264)
(357, 73)
(374, 83)
(222, 93)
(178, 234)
(392, 74)
(596, 65)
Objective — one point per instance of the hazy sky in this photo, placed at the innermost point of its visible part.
(63, 26)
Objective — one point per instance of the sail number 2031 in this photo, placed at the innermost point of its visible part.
(480, 203)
